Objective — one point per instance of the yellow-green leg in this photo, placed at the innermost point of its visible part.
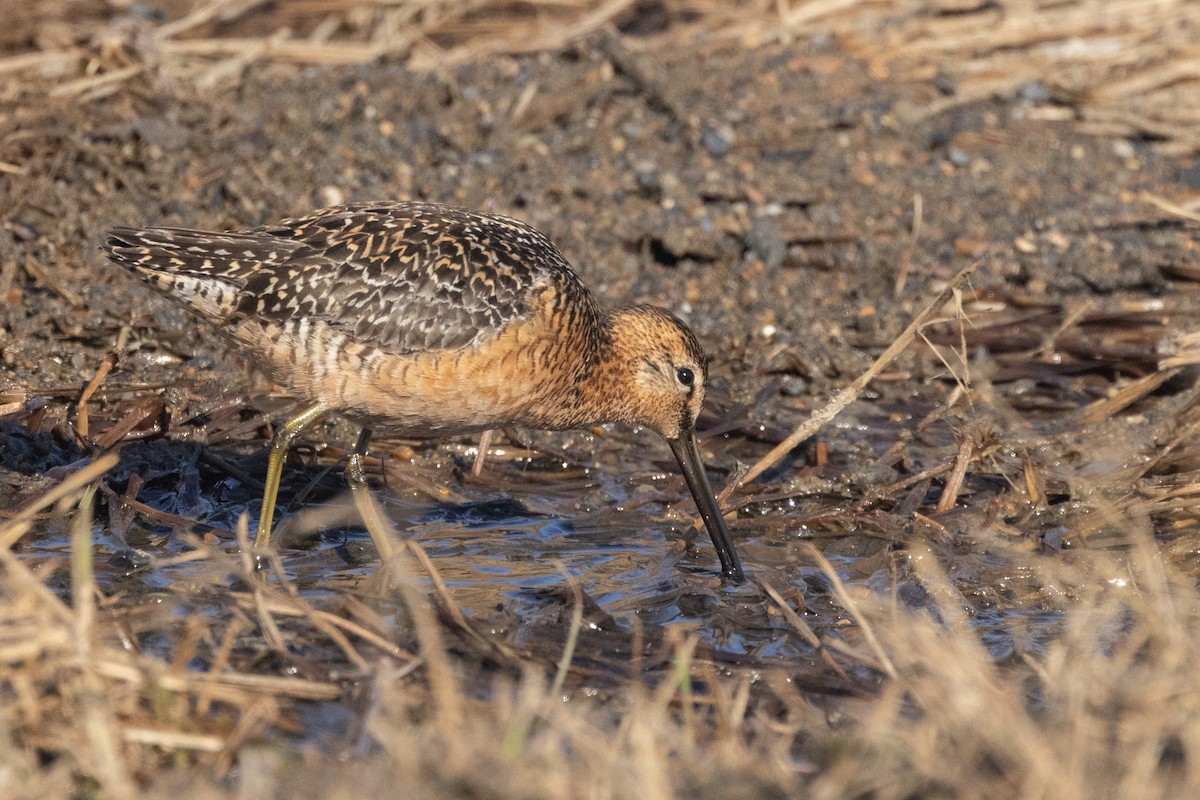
(363, 501)
(284, 437)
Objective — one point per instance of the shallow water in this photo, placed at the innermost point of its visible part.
(607, 514)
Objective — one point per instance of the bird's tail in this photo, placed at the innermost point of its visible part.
(201, 270)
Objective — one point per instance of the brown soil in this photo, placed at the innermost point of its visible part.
(797, 204)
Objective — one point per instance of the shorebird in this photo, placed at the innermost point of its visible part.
(424, 319)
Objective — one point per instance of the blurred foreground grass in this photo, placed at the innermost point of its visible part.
(105, 697)
(1107, 708)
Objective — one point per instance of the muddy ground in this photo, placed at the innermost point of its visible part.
(768, 196)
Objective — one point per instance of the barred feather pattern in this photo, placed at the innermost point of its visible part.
(403, 277)
(388, 311)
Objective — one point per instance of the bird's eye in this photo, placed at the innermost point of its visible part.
(686, 376)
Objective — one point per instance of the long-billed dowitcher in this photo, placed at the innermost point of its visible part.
(418, 318)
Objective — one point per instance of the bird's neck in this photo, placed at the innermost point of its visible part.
(606, 390)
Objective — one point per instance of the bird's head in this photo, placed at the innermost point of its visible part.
(658, 376)
(661, 370)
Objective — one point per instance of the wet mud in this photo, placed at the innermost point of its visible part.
(794, 209)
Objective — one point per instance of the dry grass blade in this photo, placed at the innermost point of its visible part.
(98, 721)
(330, 54)
(92, 83)
(381, 533)
(564, 663)
(286, 686)
(225, 10)
(494, 649)
(802, 628)
(1126, 396)
(266, 622)
(848, 603)
(141, 411)
(73, 483)
(918, 218)
(57, 61)
(1171, 208)
(330, 624)
(962, 460)
(948, 600)
(173, 740)
(83, 583)
(440, 670)
(1072, 319)
(219, 662)
(1180, 350)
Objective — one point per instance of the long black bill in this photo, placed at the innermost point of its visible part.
(688, 456)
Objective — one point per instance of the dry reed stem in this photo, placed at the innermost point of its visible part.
(958, 472)
(911, 247)
(226, 10)
(1126, 396)
(57, 61)
(173, 740)
(485, 441)
(1180, 350)
(267, 685)
(98, 721)
(83, 583)
(81, 405)
(91, 83)
(848, 395)
(140, 412)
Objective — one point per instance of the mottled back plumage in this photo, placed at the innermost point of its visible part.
(403, 277)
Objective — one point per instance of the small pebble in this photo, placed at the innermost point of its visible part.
(331, 196)
(1123, 148)
(717, 140)
(794, 386)
(766, 241)
(646, 174)
(1033, 92)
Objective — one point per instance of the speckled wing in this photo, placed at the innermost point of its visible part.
(204, 271)
(409, 277)
(402, 277)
